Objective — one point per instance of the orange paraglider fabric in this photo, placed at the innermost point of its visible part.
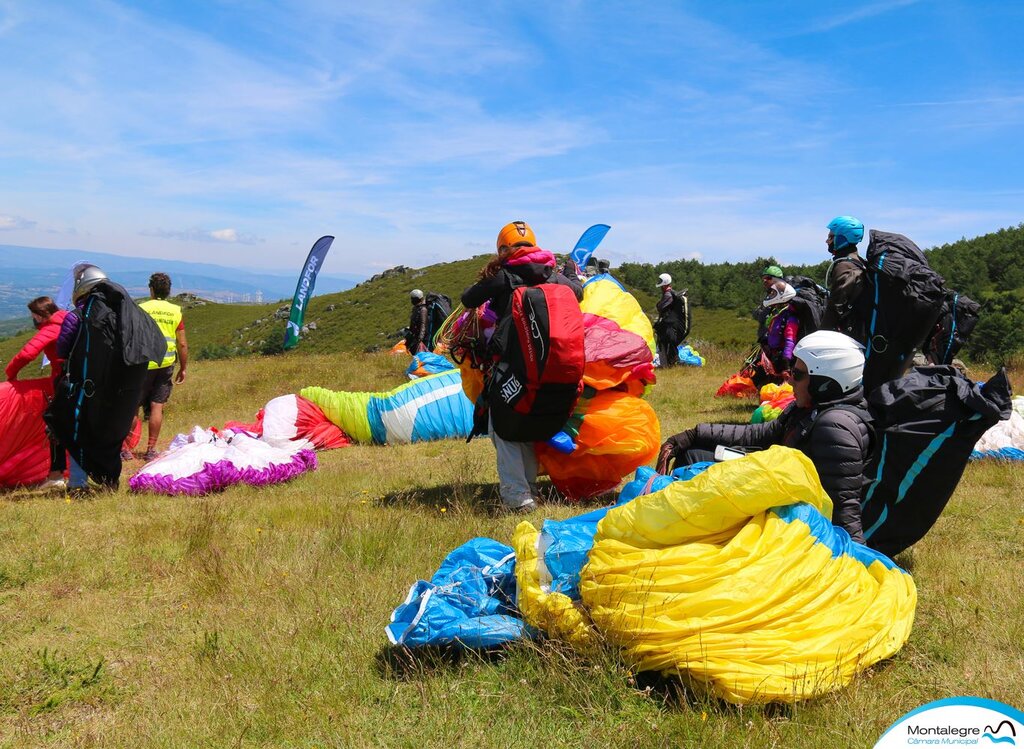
(616, 434)
(472, 380)
(738, 386)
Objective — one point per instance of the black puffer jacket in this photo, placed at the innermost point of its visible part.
(835, 436)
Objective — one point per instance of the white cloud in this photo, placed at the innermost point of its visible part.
(229, 236)
(859, 14)
(224, 235)
(14, 223)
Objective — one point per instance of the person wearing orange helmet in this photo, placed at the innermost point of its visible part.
(519, 262)
(518, 256)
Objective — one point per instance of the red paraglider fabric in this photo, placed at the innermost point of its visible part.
(24, 449)
(295, 417)
(738, 386)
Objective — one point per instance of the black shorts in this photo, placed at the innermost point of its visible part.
(156, 388)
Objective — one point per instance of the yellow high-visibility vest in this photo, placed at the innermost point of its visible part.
(167, 317)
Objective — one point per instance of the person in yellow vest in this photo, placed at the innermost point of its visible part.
(159, 380)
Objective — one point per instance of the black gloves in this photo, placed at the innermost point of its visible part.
(674, 449)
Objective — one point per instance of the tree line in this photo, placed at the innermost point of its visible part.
(989, 269)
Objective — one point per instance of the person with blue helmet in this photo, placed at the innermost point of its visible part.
(846, 279)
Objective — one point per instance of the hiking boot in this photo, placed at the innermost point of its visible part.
(127, 456)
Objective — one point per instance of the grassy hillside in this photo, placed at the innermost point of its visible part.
(255, 618)
(369, 317)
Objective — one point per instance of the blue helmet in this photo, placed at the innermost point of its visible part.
(847, 231)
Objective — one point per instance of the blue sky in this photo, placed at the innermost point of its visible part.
(238, 133)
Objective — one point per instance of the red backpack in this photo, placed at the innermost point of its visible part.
(539, 375)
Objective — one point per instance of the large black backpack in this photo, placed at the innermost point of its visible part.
(903, 301)
(682, 306)
(925, 424)
(810, 300)
(439, 308)
(956, 322)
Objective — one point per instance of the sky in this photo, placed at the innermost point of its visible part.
(239, 132)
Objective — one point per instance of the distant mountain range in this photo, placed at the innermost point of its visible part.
(28, 272)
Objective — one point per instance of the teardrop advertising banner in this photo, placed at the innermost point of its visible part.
(304, 290)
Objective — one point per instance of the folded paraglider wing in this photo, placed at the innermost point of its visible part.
(614, 433)
(734, 579)
(204, 462)
(428, 408)
(469, 601)
(24, 450)
(738, 386)
(427, 363)
(604, 296)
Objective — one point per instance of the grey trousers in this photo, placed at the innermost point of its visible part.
(517, 470)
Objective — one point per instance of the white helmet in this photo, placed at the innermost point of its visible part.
(416, 294)
(86, 278)
(781, 294)
(832, 356)
(664, 280)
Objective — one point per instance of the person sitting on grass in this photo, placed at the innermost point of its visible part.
(828, 422)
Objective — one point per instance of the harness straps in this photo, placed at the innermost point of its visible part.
(85, 368)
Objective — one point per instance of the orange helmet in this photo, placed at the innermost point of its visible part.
(516, 233)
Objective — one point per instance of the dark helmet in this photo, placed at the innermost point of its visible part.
(86, 278)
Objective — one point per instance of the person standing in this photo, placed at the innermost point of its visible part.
(673, 323)
(107, 342)
(846, 280)
(770, 275)
(782, 329)
(416, 339)
(47, 319)
(519, 262)
(159, 382)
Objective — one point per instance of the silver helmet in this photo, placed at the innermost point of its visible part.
(86, 278)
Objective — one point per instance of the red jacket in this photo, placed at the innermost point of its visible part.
(45, 341)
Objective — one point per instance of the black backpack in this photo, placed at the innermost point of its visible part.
(956, 322)
(682, 306)
(925, 426)
(904, 298)
(439, 308)
(810, 300)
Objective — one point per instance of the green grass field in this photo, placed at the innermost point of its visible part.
(255, 618)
